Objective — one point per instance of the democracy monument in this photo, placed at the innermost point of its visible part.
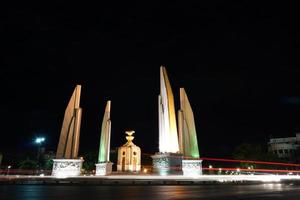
(104, 166)
(129, 155)
(178, 147)
(67, 162)
(177, 152)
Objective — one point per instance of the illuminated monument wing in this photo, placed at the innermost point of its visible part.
(191, 164)
(168, 138)
(66, 162)
(104, 166)
(168, 160)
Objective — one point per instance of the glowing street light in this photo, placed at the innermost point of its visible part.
(39, 140)
(220, 171)
(210, 169)
(8, 167)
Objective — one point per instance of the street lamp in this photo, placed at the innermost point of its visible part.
(8, 167)
(39, 141)
(210, 171)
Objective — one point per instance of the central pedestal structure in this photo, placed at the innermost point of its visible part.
(167, 163)
(192, 167)
(103, 169)
(67, 167)
(129, 155)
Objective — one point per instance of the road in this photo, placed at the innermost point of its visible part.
(266, 191)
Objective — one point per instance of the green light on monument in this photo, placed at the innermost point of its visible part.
(104, 147)
(187, 129)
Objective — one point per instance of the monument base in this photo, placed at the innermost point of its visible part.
(66, 167)
(103, 169)
(167, 163)
(128, 168)
(192, 167)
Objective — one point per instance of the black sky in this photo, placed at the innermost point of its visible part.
(238, 61)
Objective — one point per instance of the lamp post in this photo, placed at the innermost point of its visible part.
(210, 171)
(8, 167)
(39, 141)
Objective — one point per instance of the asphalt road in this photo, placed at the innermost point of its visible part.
(266, 191)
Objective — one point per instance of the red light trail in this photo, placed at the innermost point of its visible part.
(251, 170)
(251, 161)
(239, 161)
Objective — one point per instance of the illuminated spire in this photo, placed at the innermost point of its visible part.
(186, 125)
(168, 137)
(104, 148)
(69, 137)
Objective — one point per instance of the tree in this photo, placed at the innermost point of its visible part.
(47, 163)
(254, 152)
(90, 159)
(28, 164)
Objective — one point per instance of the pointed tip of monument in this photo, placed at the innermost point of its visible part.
(108, 105)
(78, 88)
(163, 68)
(182, 90)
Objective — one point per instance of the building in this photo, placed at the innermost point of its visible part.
(129, 156)
(284, 147)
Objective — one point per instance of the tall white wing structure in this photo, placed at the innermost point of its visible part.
(68, 145)
(168, 137)
(186, 128)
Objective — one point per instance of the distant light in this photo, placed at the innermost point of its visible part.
(210, 166)
(271, 178)
(145, 170)
(39, 140)
(9, 166)
(238, 169)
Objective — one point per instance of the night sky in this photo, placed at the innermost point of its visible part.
(238, 61)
